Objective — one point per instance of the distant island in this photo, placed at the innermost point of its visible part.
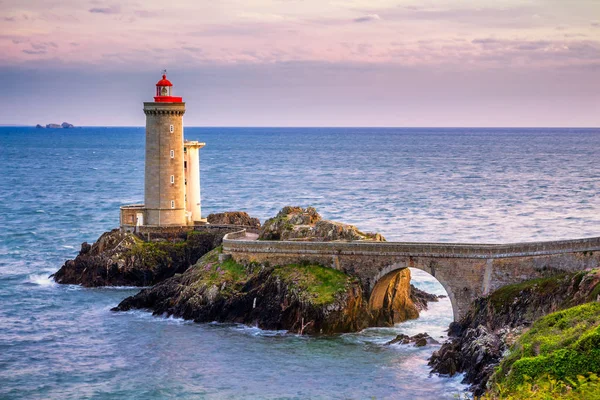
(64, 125)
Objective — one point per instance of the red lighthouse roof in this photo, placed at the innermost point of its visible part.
(164, 89)
(164, 81)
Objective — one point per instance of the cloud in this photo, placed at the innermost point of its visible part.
(10, 19)
(512, 17)
(145, 13)
(485, 41)
(367, 18)
(26, 51)
(105, 10)
(595, 24)
(192, 49)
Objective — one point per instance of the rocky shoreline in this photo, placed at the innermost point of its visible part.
(299, 298)
(191, 279)
(484, 336)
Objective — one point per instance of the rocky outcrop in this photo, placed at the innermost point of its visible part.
(64, 125)
(481, 338)
(418, 340)
(301, 298)
(124, 259)
(421, 298)
(306, 299)
(233, 218)
(391, 300)
(297, 223)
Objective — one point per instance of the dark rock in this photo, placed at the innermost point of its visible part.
(480, 339)
(66, 125)
(124, 259)
(38, 126)
(271, 297)
(53, 126)
(420, 298)
(419, 340)
(233, 218)
(262, 298)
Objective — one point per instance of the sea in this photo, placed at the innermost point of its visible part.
(59, 188)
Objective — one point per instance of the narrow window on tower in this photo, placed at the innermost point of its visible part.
(171, 128)
(172, 203)
(172, 178)
(184, 164)
(172, 153)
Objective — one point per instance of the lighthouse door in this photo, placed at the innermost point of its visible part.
(140, 219)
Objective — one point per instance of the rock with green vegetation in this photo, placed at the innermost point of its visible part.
(297, 223)
(300, 298)
(481, 338)
(560, 346)
(125, 259)
(583, 387)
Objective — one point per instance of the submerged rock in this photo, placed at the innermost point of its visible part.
(419, 340)
(124, 259)
(233, 218)
(482, 337)
(297, 223)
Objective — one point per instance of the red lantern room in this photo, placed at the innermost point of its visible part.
(164, 89)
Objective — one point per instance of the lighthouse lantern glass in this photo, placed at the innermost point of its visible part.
(163, 91)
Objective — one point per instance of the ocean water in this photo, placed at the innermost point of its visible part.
(59, 188)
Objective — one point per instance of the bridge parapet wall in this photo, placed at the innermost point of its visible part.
(466, 271)
(232, 243)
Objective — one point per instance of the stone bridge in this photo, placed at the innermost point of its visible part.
(466, 271)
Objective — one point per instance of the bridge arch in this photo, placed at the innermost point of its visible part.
(389, 275)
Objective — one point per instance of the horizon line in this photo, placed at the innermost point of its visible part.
(318, 127)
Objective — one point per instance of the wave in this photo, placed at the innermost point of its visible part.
(119, 288)
(43, 280)
(148, 316)
(256, 331)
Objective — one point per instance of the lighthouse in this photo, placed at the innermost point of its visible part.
(172, 167)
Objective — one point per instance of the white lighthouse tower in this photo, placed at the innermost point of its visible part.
(172, 167)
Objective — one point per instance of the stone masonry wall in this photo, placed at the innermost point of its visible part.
(466, 271)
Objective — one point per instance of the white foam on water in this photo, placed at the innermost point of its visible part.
(256, 331)
(41, 280)
(148, 316)
(119, 288)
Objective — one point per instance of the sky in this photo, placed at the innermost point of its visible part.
(397, 63)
